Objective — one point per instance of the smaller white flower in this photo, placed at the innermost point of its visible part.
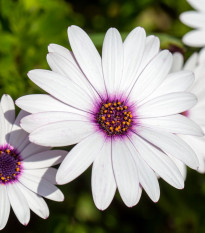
(195, 19)
(25, 172)
(195, 63)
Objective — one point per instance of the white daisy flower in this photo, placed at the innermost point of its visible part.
(195, 63)
(196, 20)
(121, 110)
(25, 172)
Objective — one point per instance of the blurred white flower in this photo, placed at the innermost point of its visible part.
(25, 172)
(122, 110)
(196, 20)
(195, 63)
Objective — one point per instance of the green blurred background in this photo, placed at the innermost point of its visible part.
(26, 29)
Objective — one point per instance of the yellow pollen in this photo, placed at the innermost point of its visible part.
(19, 163)
(105, 111)
(106, 105)
(128, 123)
(123, 129)
(130, 115)
(113, 122)
(17, 169)
(129, 120)
(1, 152)
(125, 118)
(115, 104)
(118, 108)
(3, 178)
(7, 177)
(119, 103)
(108, 115)
(109, 104)
(7, 151)
(125, 113)
(112, 108)
(103, 118)
(14, 174)
(125, 107)
(107, 123)
(6, 180)
(123, 122)
(110, 111)
(111, 128)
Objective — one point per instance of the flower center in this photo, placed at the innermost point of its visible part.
(114, 118)
(10, 164)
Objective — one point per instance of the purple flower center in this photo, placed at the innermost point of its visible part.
(114, 118)
(10, 164)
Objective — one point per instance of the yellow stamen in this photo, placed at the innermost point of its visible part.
(103, 118)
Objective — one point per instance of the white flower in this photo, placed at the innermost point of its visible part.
(195, 19)
(195, 63)
(121, 110)
(25, 172)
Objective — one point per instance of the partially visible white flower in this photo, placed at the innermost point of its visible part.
(25, 172)
(196, 20)
(120, 109)
(195, 63)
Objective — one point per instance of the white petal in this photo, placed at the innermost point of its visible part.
(152, 76)
(165, 105)
(41, 186)
(192, 62)
(31, 149)
(35, 202)
(62, 133)
(171, 145)
(2, 127)
(181, 166)
(197, 4)
(134, 46)
(103, 181)
(126, 172)
(18, 203)
(8, 108)
(87, 56)
(61, 88)
(174, 124)
(175, 82)
(178, 61)
(17, 135)
(195, 38)
(112, 60)
(42, 103)
(66, 68)
(35, 121)
(159, 162)
(64, 52)
(44, 159)
(48, 174)
(193, 19)
(202, 56)
(79, 158)
(147, 177)
(5, 207)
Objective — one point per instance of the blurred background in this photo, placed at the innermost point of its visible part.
(26, 29)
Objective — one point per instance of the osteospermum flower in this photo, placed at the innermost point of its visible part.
(195, 63)
(25, 172)
(196, 20)
(121, 110)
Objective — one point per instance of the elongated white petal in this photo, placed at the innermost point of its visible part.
(87, 56)
(18, 203)
(168, 104)
(126, 172)
(8, 109)
(41, 186)
(174, 123)
(195, 38)
(61, 88)
(191, 63)
(171, 145)
(17, 135)
(41, 102)
(48, 174)
(147, 177)
(103, 181)
(193, 19)
(178, 61)
(197, 4)
(112, 60)
(79, 158)
(35, 202)
(181, 166)
(44, 159)
(2, 127)
(5, 207)
(64, 52)
(35, 121)
(62, 133)
(175, 82)
(61, 65)
(152, 76)
(159, 162)
(31, 149)
(133, 53)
